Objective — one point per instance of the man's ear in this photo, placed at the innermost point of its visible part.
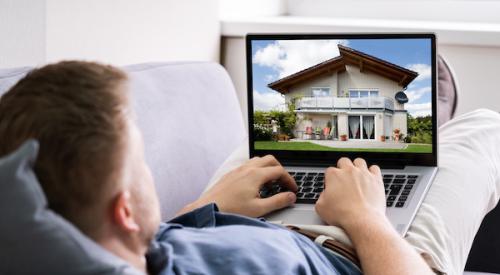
(122, 212)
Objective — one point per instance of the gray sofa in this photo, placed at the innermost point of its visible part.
(191, 121)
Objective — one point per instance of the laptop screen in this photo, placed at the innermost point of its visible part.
(358, 93)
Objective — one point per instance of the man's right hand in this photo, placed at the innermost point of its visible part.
(238, 191)
(352, 191)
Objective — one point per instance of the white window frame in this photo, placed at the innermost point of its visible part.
(369, 90)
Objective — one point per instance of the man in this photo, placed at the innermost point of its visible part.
(92, 169)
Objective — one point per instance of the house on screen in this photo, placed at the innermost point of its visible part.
(359, 95)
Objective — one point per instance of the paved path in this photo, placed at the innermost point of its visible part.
(357, 144)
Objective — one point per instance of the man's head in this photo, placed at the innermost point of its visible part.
(91, 164)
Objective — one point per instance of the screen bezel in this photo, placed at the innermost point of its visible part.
(328, 158)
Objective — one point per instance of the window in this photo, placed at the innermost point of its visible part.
(361, 127)
(320, 91)
(358, 93)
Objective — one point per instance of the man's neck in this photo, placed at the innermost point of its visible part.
(135, 257)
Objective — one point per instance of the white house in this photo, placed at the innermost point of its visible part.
(360, 95)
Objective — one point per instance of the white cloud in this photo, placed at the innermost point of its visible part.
(419, 109)
(424, 71)
(268, 101)
(270, 77)
(290, 56)
(416, 94)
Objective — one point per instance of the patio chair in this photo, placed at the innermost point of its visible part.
(308, 133)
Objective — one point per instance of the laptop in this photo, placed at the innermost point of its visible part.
(314, 98)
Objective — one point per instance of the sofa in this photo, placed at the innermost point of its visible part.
(191, 121)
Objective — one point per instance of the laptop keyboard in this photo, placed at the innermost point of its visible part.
(398, 187)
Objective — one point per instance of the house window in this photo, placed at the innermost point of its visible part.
(358, 93)
(361, 127)
(320, 91)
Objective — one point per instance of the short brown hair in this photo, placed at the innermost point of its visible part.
(76, 112)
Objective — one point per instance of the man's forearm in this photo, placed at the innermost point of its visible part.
(381, 250)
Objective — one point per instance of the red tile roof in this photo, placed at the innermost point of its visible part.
(349, 56)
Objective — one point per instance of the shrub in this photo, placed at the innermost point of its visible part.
(286, 120)
(260, 117)
(261, 133)
(421, 137)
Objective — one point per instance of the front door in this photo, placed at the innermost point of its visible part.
(361, 127)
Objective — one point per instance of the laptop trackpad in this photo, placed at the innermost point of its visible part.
(295, 215)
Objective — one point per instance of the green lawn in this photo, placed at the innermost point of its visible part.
(308, 146)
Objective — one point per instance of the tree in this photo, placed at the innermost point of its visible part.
(419, 129)
(286, 119)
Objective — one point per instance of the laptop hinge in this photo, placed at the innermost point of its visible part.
(386, 165)
(392, 166)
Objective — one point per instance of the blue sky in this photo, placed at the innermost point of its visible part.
(274, 59)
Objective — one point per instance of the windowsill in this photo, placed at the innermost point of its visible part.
(449, 33)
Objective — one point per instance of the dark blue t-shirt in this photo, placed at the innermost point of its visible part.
(206, 241)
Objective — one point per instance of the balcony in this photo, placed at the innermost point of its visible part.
(329, 102)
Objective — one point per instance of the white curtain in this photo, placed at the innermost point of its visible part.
(353, 125)
(368, 124)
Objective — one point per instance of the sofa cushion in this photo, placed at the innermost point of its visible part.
(34, 239)
(191, 121)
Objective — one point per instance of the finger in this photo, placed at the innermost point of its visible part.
(360, 163)
(267, 160)
(252, 160)
(278, 201)
(375, 169)
(344, 163)
(277, 173)
(329, 172)
(319, 202)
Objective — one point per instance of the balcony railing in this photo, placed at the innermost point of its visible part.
(329, 102)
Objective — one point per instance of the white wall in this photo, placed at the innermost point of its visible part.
(233, 59)
(477, 73)
(131, 31)
(22, 32)
(249, 8)
(112, 31)
(425, 10)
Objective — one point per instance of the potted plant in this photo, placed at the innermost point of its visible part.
(343, 137)
(382, 138)
(317, 132)
(326, 130)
